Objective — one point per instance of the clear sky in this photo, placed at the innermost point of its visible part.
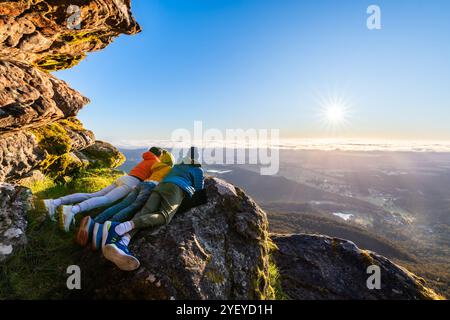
(271, 64)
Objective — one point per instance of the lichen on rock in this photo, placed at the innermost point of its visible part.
(14, 204)
(315, 267)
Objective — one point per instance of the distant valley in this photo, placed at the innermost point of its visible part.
(394, 203)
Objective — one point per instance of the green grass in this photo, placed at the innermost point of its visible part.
(39, 270)
(87, 181)
(275, 282)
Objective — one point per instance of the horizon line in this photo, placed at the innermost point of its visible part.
(307, 144)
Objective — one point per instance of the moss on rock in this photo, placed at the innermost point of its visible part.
(102, 155)
(56, 141)
(82, 37)
(57, 62)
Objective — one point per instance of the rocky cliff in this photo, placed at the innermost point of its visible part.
(37, 110)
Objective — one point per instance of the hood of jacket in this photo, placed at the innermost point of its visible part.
(149, 156)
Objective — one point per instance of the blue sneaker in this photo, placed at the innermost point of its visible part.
(97, 237)
(119, 254)
(109, 233)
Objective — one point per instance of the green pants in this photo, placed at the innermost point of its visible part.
(160, 207)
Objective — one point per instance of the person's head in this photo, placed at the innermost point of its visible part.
(167, 158)
(156, 151)
(191, 158)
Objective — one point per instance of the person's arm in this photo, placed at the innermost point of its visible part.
(199, 181)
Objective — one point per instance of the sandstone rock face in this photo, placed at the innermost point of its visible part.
(215, 251)
(314, 267)
(19, 154)
(37, 36)
(56, 34)
(14, 203)
(30, 97)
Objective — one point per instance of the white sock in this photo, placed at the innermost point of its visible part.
(76, 209)
(125, 240)
(123, 228)
(56, 202)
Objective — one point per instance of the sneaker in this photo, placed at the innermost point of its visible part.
(119, 254)
(97, 237)
(109, 235)
(85, 231)
(46, 205)
(66, 217)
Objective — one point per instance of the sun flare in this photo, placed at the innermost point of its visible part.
(335, 114)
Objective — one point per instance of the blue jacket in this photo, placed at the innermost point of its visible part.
(187, 177)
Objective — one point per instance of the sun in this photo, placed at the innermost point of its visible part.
(335, 114)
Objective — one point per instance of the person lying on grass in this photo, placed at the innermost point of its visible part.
(128, 207)
(183, 181)
(66, 210)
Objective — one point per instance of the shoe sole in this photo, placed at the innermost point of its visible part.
(123, 262)
(39, 205)
(94, 238)
(50, 209)
(105, 232)
(61, 220)
(82, 234)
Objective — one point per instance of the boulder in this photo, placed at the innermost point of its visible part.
(14, 204)
(315, 267)
(219, 250)
(101, 155)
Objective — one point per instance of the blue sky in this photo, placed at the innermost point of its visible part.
(268, 64)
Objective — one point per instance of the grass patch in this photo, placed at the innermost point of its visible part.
(86, 181)
(275, 282)
(39, 270)
(267, 283)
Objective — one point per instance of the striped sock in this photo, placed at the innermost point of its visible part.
(125, 240)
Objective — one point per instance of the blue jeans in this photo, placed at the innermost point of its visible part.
(127, 208)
